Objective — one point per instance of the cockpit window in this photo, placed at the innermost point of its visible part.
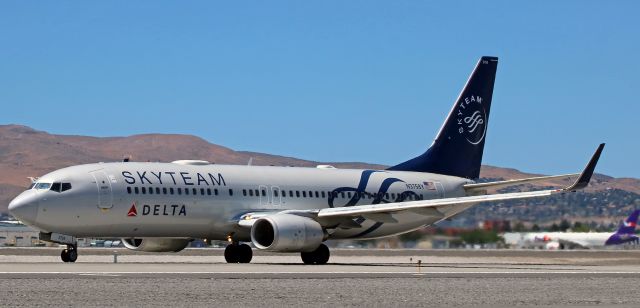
(31, 186)
(43, 185)
(60, 187)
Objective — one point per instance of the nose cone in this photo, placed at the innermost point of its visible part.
(25, 207)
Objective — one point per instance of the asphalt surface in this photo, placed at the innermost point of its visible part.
(199, 277)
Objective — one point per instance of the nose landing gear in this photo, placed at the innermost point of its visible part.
(70, 254)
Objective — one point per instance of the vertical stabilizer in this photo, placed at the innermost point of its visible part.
(457, 149)
(626, 232)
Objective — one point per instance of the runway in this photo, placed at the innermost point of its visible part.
(199, 277)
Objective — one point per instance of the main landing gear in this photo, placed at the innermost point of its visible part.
(319, 256)
(238, 253)
(70, 254)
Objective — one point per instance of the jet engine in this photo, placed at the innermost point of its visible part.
(287, 233)
(156, 244)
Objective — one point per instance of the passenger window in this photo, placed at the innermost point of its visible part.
(257, 193)
(164, 190)
(195, 191)
(297, 194)
(275, 193)
(304, 194)
(310, 194)
(322, 193)
(349, 195)
(215, 191)
(393, 196)
(291, 193)
(179, 191)
(136, 190)
(386, 195)
(208, 192)
(251, 192)
(171, 190)
(421, 197)
(317, 194)
(186, 191)
(342, 194)
(264, 193)
(157, 190)
(128, 189)
(144, 190)
(151, 190)
(230, 192)
(244, 192)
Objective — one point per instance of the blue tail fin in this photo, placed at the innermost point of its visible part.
(457, 149)
(629, 225)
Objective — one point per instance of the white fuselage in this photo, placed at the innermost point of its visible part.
(205, 201)
(578, 239)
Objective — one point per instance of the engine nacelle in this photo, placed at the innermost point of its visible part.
(156, 244)
(287, 233)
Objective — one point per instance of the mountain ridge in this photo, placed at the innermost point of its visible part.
(26, 152)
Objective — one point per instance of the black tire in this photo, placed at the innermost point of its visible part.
(64, 256)
(231, 253)
(245, 254)
(72, 255)
(322, 254)
(319, 256)
(307, 257)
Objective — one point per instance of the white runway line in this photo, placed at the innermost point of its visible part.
(333, 273)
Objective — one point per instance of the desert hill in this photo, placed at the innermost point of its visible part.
(26, 152)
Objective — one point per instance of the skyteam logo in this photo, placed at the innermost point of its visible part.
(472, 119)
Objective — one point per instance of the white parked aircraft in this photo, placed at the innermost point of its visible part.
(163, 206)
(561, 240)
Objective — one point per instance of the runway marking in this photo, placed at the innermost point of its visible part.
(336, 273)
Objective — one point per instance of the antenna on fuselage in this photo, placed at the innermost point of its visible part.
(126, 159)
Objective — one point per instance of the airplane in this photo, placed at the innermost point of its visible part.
(162, 207)
(561, 240)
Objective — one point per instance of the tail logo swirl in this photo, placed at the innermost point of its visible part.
(472, 119)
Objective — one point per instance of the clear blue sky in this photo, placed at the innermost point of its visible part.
(331, 80)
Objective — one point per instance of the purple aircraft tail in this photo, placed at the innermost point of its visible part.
(626, 231)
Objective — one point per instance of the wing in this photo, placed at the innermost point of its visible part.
(570, 243)
(481, 188)
(437, 207)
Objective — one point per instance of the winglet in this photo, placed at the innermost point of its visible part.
(586, 174)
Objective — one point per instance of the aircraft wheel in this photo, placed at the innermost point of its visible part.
(319, 256)
(64, 255)
(72, 255)
(231, 253)
(245, 254)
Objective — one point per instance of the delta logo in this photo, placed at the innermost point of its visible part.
(133, 212)
(158, 210)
